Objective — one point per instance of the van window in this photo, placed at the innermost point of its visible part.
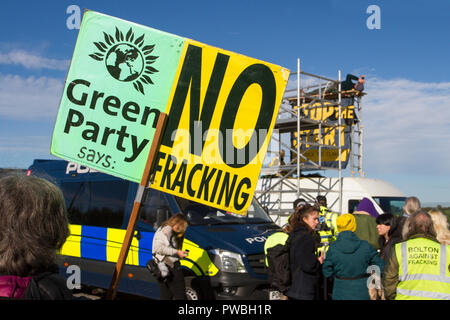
(352, 205)
(149, 212)
(391, 205)
(98, 203)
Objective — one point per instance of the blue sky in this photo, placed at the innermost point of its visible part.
(406, 63)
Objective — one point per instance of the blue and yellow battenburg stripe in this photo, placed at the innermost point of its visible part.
(104, 244)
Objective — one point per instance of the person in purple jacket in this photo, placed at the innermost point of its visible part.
(365, 216)
(33, 226)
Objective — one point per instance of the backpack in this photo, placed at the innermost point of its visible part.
(279, 266)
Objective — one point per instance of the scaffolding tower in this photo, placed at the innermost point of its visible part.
(279, 185)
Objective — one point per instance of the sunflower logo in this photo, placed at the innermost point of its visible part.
(127, 59)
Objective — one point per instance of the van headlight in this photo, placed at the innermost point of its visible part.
(228, 261)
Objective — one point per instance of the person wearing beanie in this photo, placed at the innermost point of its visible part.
(346, 222)
(365, 216)
(347, 261)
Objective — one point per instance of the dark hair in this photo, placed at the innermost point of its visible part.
(298, 202)
(420, 222)
(301, 212)
(387, 219)
(321, 200)
(33, 225)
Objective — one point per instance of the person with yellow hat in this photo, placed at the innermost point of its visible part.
(347, 261)
(346, 222)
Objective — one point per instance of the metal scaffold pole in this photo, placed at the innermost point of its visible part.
(360, 149)
(340, 141)
(298, 127)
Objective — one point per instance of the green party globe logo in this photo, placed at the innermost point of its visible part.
(124, 62)
(127, 59)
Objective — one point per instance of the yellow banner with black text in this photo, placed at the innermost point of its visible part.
(222, 110)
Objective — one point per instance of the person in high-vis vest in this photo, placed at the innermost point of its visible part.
(327, 227)
(274, 239)
(419, 267)
(327, 231)
(277, 238)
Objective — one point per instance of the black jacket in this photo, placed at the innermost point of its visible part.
(48, 286)
(305, 267)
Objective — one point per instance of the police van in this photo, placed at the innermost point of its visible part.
(226, 251)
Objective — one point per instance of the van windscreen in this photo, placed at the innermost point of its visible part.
(199, 214)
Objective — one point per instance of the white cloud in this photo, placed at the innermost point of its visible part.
(32, 61)
(29, 97)
(407, 126)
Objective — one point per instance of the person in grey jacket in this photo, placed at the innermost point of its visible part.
(167, 244)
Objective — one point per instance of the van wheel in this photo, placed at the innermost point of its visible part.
(192, 290)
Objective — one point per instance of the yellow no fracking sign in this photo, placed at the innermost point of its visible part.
(222, 109)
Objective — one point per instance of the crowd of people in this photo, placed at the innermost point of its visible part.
(362, 255)
(354, 256)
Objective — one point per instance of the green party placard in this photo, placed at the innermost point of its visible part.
(120, 79)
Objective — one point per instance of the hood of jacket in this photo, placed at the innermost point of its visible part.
(347, 242)
(366, 205)
(13, 286)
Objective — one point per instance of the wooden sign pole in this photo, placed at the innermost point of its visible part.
(140, 195)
